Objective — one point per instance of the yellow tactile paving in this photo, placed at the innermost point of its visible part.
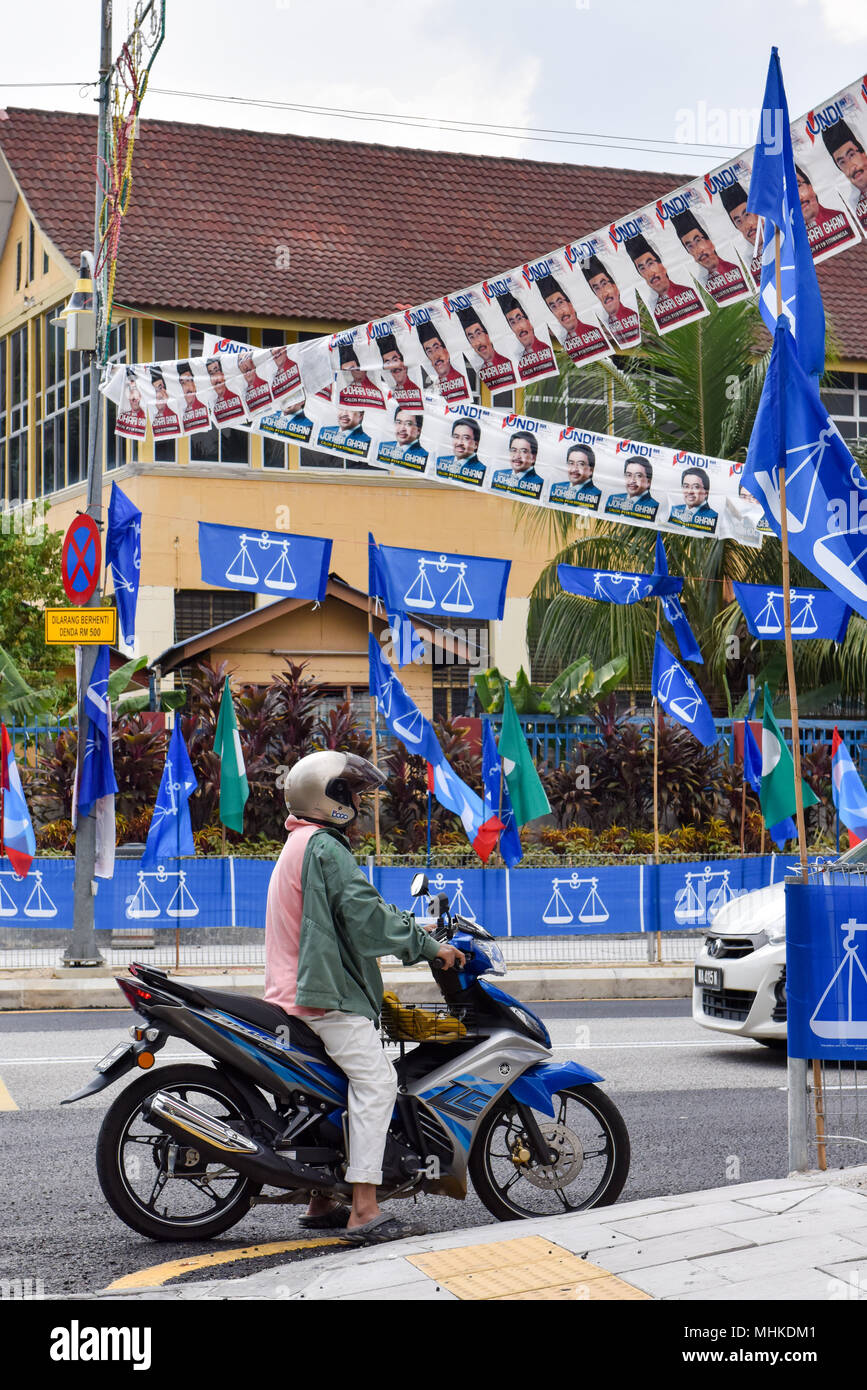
(525, 1268)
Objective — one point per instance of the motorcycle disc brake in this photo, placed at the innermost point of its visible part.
(569, 1163)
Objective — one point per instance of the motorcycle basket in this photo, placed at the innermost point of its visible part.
(420, 1022)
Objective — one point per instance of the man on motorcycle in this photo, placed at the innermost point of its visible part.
(325, 926)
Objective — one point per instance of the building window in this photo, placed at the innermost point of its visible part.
(77, 419)
(198, 610)
(15, 487)
(122, 347)
(19, 252)
(3, 420)
(165, 350)
(213, 445)
(45, 262)
(845, 398)
(51, 440)
(31, 254)
(274, 453)
(454, 690)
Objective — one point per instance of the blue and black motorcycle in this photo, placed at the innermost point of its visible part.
(186, 1150)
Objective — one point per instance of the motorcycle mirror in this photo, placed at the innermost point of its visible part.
(440, 904)
(419, 886)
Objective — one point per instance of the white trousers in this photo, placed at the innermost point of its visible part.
(353, 1043)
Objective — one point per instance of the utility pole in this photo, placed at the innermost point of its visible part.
(83, 950)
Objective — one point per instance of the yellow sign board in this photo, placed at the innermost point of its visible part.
(80, 627)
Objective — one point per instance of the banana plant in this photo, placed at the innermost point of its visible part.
(574, 692)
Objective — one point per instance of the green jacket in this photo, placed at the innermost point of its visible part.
(345, 925)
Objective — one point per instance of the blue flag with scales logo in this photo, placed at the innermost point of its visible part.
(679, 695)
(171, 834)
(826, 492)
(123, 553)
(774, 196)
(625, 587)
(278, 563)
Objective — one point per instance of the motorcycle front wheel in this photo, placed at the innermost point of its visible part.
(162, 1189)
(591, 1142)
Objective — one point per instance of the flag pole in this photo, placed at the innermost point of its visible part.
(787, 617)
(656, 800)
(373, 742)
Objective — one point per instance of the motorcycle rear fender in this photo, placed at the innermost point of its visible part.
(540, 1082)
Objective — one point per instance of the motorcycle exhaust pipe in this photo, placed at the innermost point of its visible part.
(220, 1143)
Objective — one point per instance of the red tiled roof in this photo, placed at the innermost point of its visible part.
(366, 226)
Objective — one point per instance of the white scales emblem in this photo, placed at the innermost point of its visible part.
(38, 904)
(143, 903)
(558, 913)
(455, 599)
(243, 569)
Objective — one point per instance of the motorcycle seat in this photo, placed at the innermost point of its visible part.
(268, 1016)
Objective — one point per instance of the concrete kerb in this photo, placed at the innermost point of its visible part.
(94, 988)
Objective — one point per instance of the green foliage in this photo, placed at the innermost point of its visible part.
(576, 691)
(30, 580)
(697, 389)
(19, 702)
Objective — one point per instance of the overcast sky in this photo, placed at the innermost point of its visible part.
(660, 73)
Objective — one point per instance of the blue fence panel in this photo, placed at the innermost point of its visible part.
(826, 970)
(689, 895)
(555, 901)
(479, 894)
(577, 902)
(42, 899)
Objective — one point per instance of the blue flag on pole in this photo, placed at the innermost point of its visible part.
(416, 733)
(815, 612)
(171, 834)
(774, 196)
(752, 760)
(498, 802)
(278, 563)
(123, 553)
(625, 587)
(847, 791)
(431, 581)
(825, 488)
(97, 784)
(672, 607)
(97, 769)
(679, 695)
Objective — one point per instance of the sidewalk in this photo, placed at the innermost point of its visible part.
(803, 1238)
(64, 988)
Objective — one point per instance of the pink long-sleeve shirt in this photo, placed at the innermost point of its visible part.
(283, 921)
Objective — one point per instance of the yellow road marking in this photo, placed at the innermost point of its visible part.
(527, 1268)
(173, 1269)
(6, 1101)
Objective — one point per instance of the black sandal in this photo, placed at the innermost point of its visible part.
(382, 1229)
(333, 1220)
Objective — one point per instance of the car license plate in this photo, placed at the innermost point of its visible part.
(710, 976)
(111, 1057)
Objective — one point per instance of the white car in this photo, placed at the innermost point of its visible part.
(739, 983)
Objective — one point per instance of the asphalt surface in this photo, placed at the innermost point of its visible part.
(701, 1109)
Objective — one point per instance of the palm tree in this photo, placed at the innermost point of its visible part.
(696, 389)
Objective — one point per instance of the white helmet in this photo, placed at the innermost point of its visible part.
(319, 787)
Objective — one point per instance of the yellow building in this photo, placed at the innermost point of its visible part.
(271, 238)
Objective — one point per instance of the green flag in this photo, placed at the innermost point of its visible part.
(777, 796)
(233, 775)
(525, 789)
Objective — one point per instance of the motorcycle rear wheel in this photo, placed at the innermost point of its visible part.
(133, 1161)
(588, 1131)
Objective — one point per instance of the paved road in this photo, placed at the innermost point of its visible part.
(701, 1111)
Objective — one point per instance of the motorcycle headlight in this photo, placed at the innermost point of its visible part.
(532, 1024)
(492, 953)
